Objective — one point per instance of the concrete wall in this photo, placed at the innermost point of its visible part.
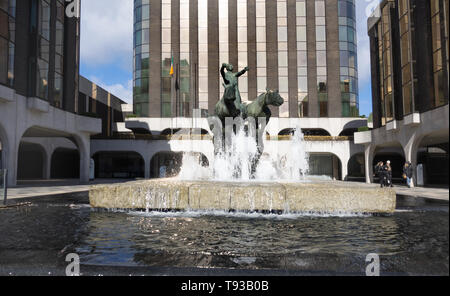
(334, 126)
(31, 117)
(421, 130)
(344, 150)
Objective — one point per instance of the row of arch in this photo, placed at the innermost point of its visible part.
(64, 164)
(431, 156)
(284, 132)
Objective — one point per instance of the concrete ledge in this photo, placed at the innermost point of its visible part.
(169, 194)
(36, 104)
(88, 124)
(6, 94)
(363, 137)
(412, 119)
(392, 125)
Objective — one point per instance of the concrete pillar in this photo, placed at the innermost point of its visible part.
(368, 162)
(410, 150)
(147, 161)
(84, 147)
(344, 168)
(11, 155)
(47, 164)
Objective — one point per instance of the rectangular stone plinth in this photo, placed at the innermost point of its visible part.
(169, 194)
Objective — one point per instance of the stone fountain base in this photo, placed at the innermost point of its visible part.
(170, 194)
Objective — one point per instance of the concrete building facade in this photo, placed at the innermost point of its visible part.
(304, 48)
(410, 74)
(39, 74)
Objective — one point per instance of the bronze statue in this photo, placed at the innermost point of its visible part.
(231, 106)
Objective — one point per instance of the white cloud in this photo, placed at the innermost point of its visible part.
(107, 32)
(123, 92)
(363, 7)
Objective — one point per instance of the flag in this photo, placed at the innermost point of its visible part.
(171, 68)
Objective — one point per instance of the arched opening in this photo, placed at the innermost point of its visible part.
(325, 164)
(65, 164)
(168, 164)
(315, 132)
(121, 164)
(184, 131)
(348, 132)
(394, 153)
(31, 162)
(287, 132)
(356, 168)
(432, 157)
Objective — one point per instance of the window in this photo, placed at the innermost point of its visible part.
(42, 73)
(302, 59)
(59, 55)
(348, 58)
(7, 41)
(167, 58)
(203, 54)
(321, 57)
(440, 80)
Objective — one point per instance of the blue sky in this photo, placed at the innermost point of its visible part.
(107, 47)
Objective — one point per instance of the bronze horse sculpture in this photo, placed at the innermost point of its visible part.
(231, 106)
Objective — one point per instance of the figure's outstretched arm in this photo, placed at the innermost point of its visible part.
(222, 72)
(242, 72)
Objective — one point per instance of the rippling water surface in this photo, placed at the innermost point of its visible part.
(412, 241)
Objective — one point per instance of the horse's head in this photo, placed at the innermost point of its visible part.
(273, 98)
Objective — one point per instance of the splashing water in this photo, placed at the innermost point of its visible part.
(235, 164)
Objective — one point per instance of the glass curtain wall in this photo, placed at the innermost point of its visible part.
(387, 64)
(203, 55)
(321, 57)
(261, 49)
(141, 56)
(242, 47)
(167, 58)
(406, 58)
(348, 58)
(283, 81)
(43, 56)
(302, 59)
(223, 39)
(7, 41)
(440, 78)
(59, 55)
(185, 61)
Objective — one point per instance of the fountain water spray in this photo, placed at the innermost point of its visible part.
(235, 162)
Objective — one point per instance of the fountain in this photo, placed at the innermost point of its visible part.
(242, 177)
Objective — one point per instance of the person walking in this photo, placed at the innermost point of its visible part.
(408, 173)
(388, 172)
(378, 170)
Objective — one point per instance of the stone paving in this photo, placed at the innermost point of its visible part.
(54, 187)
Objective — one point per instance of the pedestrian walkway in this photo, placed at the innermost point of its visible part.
(424, 192)
(54, 187)
(27, 189)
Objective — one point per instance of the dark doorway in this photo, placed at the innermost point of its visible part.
(325, 165)
(65, 164)
(126, 165)
(30, 162)
(397, 162)
(435, 165)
